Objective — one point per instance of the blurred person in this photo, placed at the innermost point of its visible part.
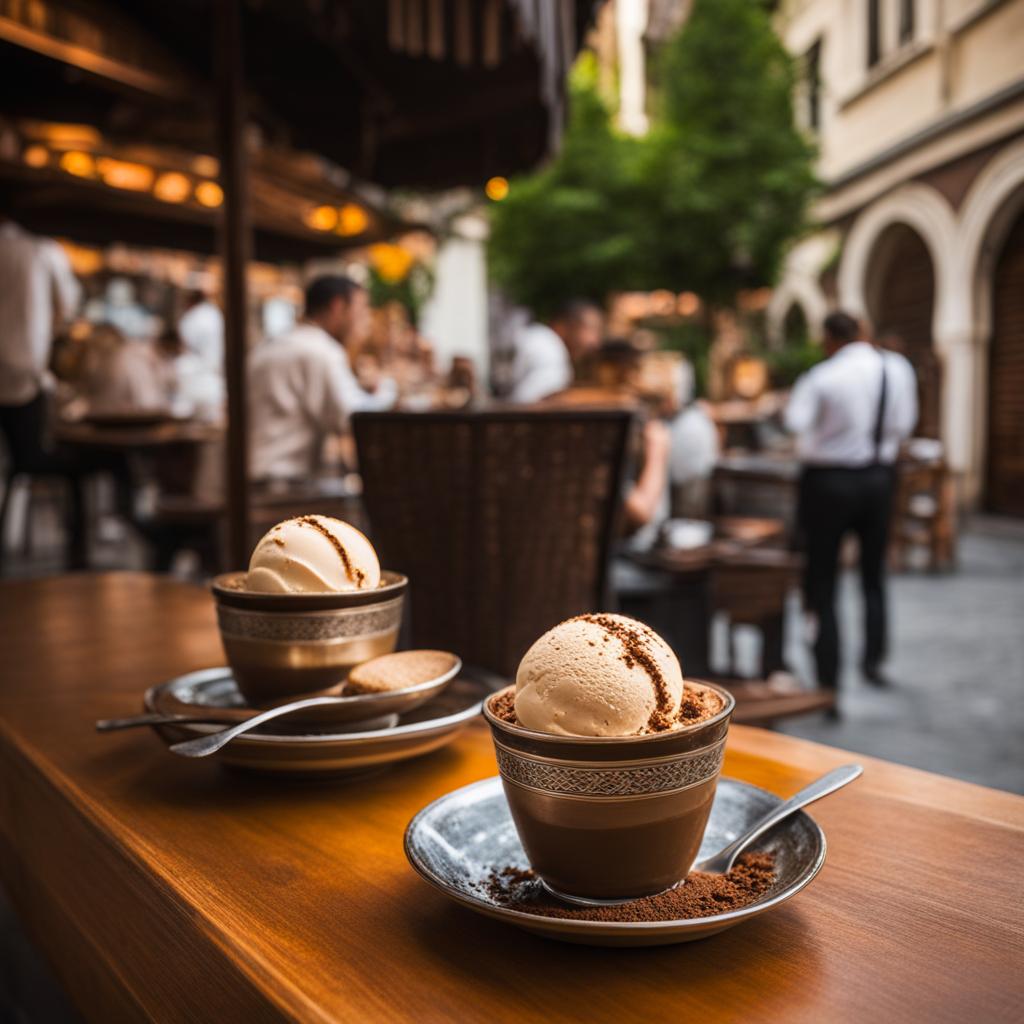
(850, 413)
(615, 380)
(188, 385)
(201, 329)
(545, 354)
(122, 376)
(38, 291)
(301, 385)
(695, 447)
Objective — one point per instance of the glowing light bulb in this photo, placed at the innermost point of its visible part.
(36, 156)
(209, 193)
(497, 189)
(322, 218)
(172, 187)
(81, 165)
(352, 220)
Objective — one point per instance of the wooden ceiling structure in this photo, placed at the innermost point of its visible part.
(419, 93)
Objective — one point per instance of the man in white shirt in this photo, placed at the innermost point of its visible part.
(301, 386)
(850, 414)
(545, 353)
(37, 292)
(201, 329)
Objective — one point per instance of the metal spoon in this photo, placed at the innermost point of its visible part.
(723, 861)
(215, 716)
(203, 746)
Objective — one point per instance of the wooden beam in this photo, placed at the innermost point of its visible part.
(91, 61)
(236, 247)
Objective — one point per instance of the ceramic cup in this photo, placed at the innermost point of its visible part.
(281, 646)
(611, 818)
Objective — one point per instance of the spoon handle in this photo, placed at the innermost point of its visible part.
(828, 783)
(203, 746)
(151, 718)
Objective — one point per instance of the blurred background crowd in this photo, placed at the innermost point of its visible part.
(727, 174)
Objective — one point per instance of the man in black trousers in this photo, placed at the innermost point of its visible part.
(850, 414)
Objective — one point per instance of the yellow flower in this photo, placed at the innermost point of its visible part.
(392, 262)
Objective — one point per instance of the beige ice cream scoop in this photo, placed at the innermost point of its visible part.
(313, 554)
(599, 675)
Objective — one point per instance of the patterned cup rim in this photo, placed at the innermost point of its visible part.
(227, 590)
(570, 739)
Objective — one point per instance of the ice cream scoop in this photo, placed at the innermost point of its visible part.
(599, 675)
(313, 554)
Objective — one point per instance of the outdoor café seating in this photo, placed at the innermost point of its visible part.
(466, 471)
(504, 520)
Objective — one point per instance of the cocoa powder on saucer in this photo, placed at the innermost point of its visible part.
(701, 895)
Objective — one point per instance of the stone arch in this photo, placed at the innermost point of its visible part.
(800, 284)
(795, 291)
(927, 212)
(992, 204)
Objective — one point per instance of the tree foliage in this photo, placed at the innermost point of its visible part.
(706, 202)
(567, 230)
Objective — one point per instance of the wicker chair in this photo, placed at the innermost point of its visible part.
(503, 520)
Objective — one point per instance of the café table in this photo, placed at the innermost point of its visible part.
(170, 890)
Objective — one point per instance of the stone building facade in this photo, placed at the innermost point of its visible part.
(918, 107)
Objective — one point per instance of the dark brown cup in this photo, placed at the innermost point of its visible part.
(611, 818)
(283, 646)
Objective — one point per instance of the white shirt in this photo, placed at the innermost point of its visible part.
(834, 407)
(202, 330)
(541, 366)
(37, 290)
(694, 446)
(301, 389)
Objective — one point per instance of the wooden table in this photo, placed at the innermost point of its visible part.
(170, 890)
(131, 437)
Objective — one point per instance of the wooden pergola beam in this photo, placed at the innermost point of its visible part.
(237, 246)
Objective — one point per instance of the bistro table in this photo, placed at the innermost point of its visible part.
(169, 890)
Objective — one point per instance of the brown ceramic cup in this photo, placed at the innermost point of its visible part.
(282, 646)
(611, 818)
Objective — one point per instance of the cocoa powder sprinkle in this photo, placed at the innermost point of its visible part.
(636, 652)
(356, 575)
(700, 895)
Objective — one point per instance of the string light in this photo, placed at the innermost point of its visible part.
(81, 165)
(209, 193)
(352, 220)
(497, 189)
(36, 156)
(688, 303)
(121, 174)
(172, 187)
(322, 218)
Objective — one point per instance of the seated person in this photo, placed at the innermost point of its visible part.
(122, 376)
(301, 386)
(545, 354)
(695, 447)
(615, 381)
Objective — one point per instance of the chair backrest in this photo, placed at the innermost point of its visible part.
(502, 520)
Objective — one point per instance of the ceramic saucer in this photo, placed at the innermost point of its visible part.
(319, 748)
(458, 841)
(215, 687)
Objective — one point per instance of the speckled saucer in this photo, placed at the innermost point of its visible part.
(458, 841)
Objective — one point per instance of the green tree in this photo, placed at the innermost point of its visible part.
(727, 175)
(568, 230)
(707, 202)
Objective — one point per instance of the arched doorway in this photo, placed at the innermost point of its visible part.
(795, 330)
(1005, 490)
(901, 301)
